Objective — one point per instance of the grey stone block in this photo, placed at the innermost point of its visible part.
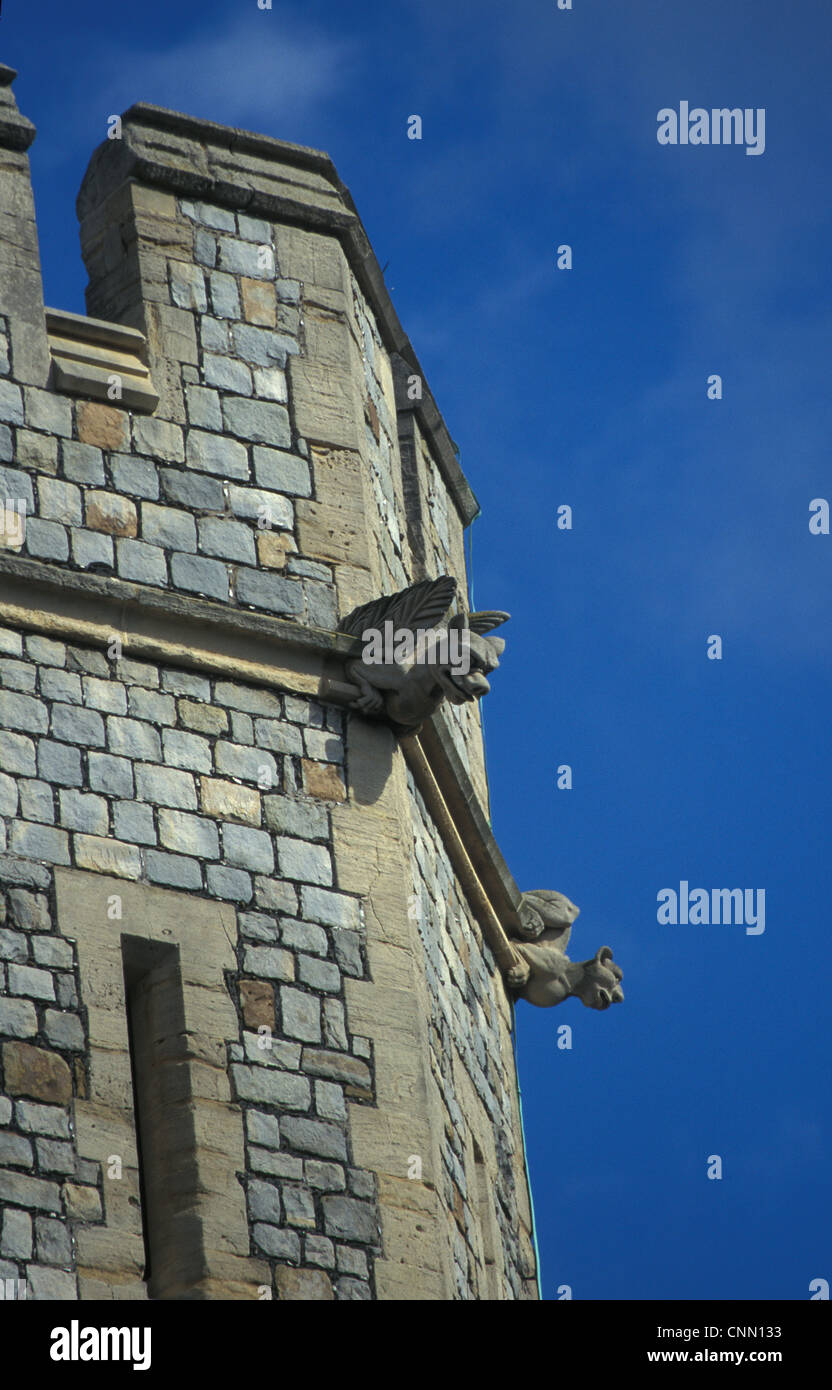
(185, 683)
(227, 374)
(108, 696)
(263, 1129)
(13, 945)
(15, 485)
(166, 787)
(151, 706)
(345, 1218)
(30, 982)
(16, 1241)
(137, 477)
(15, 1151)
(278, 471)
(59, 762)
(246, 848)
(352, 1262)
(264, 1202)
(168, 527)
(188, 834)
(134, 823)
(300, 860)
(225, 300)
(282, 1245)
(193, 490)
(319, 1251)
(321, 605)
(11, 403)
(231, 884)
(144, 564)
(299, 1205)
(300, 1014)
(348, 952)
(17, 753)
(137, 672)
(326, 1177)
(269, 963)
(215, 335)
(158, 438)
(51, 1285)
(262, 346)
(73, 725)
(240, 258)
(87, 813)
(64, 1030)
(54, 1245)
(256, 926)
(8, 796)
(133, 738)
(323, 746)
(53, 951)
(203, 408)
(205, 249)
(54, 1156)
(352, 1291)
(173, 869)
(209, 216)
(254, 229)
(263, 422)
(39, 842)
(229, 539)
(319, 974)
(276, 896)
(213, 453)
(330, 909)
(42, 1119)
(56, 684)
(272, 1086)
(18, 675)
(242, 728)
(114, 776)
(313, 1137)
(48, 412)
(187, 286)
(269, 591)
(296, 818)
(246, 764)
(303, 936)
(198, 576)
(329, 1101)
(281, 738)
(186, 750)
(18, 1018)
(46, 540)
(82, 463)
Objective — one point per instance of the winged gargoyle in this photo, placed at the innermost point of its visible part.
(546, 975)
(415, 655)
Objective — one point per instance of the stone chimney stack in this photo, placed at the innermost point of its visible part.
(21, 286)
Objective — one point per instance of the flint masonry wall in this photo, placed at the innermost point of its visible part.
(174, 779)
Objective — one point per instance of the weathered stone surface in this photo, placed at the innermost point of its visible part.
(257, 1003)
(107, 511)
(102, 426)
(323, 780)
(309, 1285)
(34, 1072)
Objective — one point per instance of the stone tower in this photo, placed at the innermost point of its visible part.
(255, 1029)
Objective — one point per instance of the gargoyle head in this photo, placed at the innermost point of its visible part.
(483, 654)
(599, 986)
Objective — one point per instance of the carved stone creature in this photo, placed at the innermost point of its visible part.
(546, 975)
(426, 657)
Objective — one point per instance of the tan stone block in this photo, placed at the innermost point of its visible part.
(257, 1003)
(335, 526)
(396, 1283)
(274, 549)
(310, 1285)
(335, 1066)
(208, 719)
(107, 511)
(259, 305)
(228, 801)
(102, 426)
(82, 1203)
(152, 201)
(107, 856)
(323, 780)
(32, 1071)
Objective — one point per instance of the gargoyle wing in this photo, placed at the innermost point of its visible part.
(556, 912)
(480, 622)
(419, 607)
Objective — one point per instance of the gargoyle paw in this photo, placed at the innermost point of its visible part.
(518, 975)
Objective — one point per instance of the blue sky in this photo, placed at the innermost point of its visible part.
(588, 387)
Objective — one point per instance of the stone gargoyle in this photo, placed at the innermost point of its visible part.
(546, 975)
(415, 656)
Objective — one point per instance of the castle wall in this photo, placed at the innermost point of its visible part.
(207, 863)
